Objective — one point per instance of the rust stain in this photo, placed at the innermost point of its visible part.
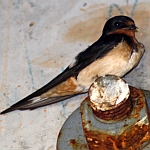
(19, 86)
(51, 63)
(1, 127)
(45, 110)
(76, 144)
(139, 95)
(46, 61)
(114, 143)
(84, 10)
(103, 141)
(117, 113)
(72, 105)
(88, 30)
(72, 142)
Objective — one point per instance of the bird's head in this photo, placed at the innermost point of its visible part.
(120, 25)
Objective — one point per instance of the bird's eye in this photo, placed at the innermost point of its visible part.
(117, 24)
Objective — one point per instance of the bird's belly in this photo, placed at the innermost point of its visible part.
(96, 69)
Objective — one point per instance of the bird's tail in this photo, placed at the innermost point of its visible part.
(35, 102)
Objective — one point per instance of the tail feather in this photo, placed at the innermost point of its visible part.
(35, 102)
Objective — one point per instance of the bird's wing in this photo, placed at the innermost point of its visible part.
(83, 59)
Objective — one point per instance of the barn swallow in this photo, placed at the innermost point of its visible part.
(116, 52)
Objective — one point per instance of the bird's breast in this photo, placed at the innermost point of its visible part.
(117, 61)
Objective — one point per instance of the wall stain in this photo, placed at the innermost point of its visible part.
(47, 61)
(90, 29)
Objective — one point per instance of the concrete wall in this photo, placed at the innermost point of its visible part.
(38, 39)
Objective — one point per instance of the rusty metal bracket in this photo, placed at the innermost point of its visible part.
(71, 136)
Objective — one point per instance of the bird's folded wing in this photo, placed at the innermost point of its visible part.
(83, 59)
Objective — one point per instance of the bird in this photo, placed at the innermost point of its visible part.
(116, 52)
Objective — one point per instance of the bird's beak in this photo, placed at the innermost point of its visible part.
(133, 27)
